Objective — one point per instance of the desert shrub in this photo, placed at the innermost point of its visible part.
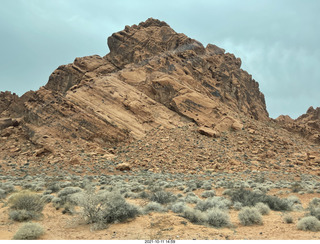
(309, 223)
(206, 185)
(296, 187)
(25, 200)
(214, 202)
(163, 197)
(293, 200)
(118, 210)
(237, 206)
(153, 207)
(106, 208)
(250, 216)
(178, 207)
(7, 187)
(56, 202)
(315, 211)
(218, 218)
(65, 184)
(23, 215)
(314, 203)
(47, 198)
(192, 198)
(249, 198)
(194, 215)
(288, 218)
(53, 187)
(207, 194)
(262, 208)
(68, 190)
(29, 231)
(3, 194)
(144, 195)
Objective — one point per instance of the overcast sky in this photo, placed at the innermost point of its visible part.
(278, 41)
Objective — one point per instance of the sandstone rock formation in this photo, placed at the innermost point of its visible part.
(153, 79)
(307, 125)
(152, 76)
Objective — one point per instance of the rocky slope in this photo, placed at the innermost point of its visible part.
(152, 78)
(307, 125)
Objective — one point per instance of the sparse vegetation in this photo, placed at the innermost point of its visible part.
(249, 198)
(309, 223)
(288, 218)
(218, 218)
(262, 208)
(194, 215)
(250, 216)
(106, 208)
(29, 231)
(25, 206)
(163, 197)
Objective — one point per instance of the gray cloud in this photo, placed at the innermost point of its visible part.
(278, 41)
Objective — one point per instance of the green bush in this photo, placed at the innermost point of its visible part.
(23, 215)
(154, 207)
(237, 206)
(207, 194)
(29, 231)
(288, 218)
(218, 218)
(262, 208)
(249, 198)
(192, 198)
(163, 197)
(178, 207)
(315, 211)
(194, 216)
(309, 223)
(25, 200)
(250, 216)
(3, 194)
(213, 202)
(106, 208)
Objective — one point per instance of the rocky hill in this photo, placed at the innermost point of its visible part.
(307, 125)
(152, 78)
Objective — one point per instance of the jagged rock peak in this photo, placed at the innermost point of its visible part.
(152, 37)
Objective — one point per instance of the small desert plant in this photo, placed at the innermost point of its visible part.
(296, 187)
(218, 218)
(250, 216)
(2, 194)
(163, 197)
(53, 187)
(68, 190)
(309, 223)
(25, 206)
(178, 207)
(192, 198)
(262, 208)
(249, 198)
(29, 231)
(315, 202)
(207, 194)
(106, 208)
(214, 202)
(288, 218)
(237, 206)
(153, 207)
(194, 215)
(315, 211)
(207, 186)
(23, 215)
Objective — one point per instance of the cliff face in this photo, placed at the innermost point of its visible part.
(152, 77)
